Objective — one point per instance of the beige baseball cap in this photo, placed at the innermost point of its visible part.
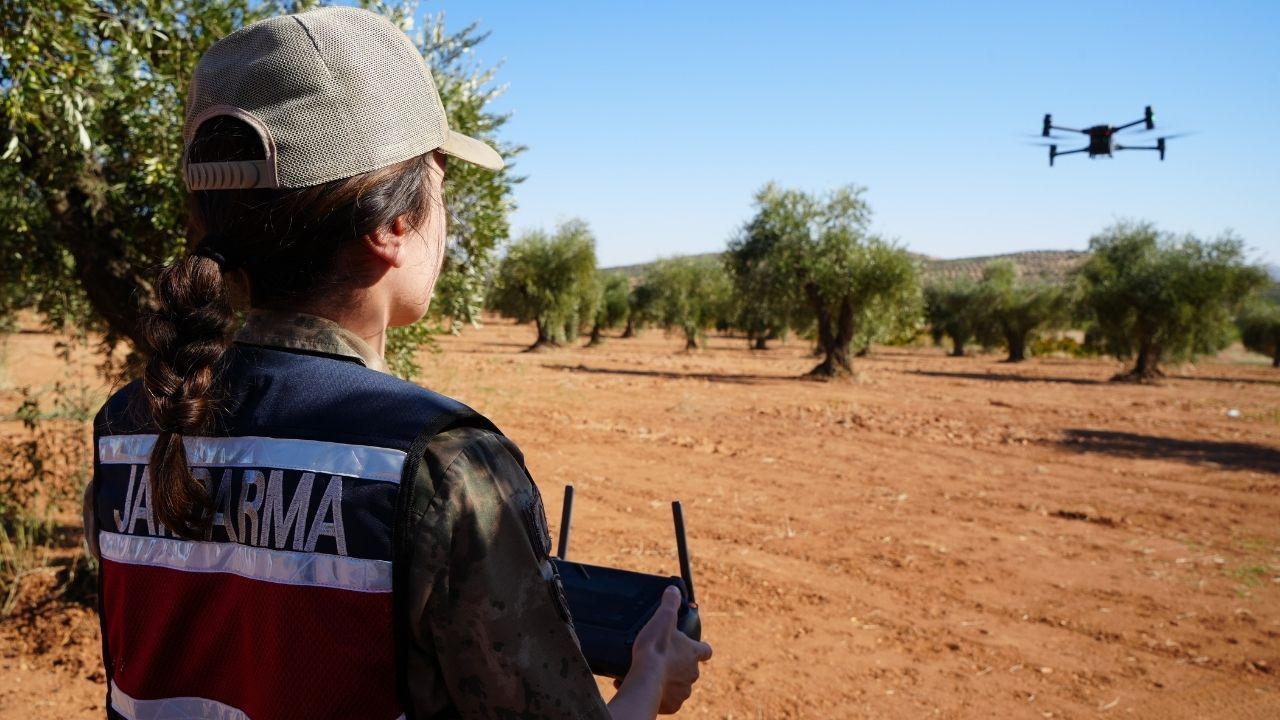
(333, 93)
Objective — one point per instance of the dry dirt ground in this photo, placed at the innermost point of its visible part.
(942, 537)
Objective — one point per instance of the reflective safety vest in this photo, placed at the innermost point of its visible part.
(286, 609)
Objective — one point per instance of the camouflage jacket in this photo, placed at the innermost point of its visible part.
(490, 631)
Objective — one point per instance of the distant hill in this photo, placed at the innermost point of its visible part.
(1049, 265)
(639, 270)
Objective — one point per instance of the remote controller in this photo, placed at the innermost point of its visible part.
(609, 605)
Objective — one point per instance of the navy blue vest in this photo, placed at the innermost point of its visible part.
(299, 583)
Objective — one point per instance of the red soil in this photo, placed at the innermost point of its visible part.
(942, 537)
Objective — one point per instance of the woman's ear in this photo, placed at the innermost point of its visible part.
(388, 243)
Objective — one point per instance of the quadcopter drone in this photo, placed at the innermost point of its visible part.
(1102, 138)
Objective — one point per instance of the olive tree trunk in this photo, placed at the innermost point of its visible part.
(1147, 366)
(546, 340)
(834, 335)
(1017, 343)
(119, 292)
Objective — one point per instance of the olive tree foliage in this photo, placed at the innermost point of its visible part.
(549, 280)
(91, 201)
(641, 306)
(92, 102)
(613, 290)
(1015, 309)
(893, 318)
(1259, 328)
(953, 309)
(762, 303)
(479, 200)
(1271, 293)
(1157, 297)
(836, 275)
(689, 294)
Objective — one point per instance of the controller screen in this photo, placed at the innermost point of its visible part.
(615, 600)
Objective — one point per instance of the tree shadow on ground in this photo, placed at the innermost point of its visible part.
(490, 348)
(1001, 377)
(1226, 380)
(503, 345)
(1230, 455)
(881, 356)
(710, 377)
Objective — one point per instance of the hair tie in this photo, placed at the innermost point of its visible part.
(208, 249)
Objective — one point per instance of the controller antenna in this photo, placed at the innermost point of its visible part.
(563, 551)
(682, 546)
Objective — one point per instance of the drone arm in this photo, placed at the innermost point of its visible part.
(1158, 147)
(1059, 127)
(1129, 125)
(1053, 153)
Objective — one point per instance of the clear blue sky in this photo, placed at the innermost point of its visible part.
(656, 121)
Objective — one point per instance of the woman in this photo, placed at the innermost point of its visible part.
(285, 530)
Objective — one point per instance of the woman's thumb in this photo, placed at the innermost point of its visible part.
(669, 608)
(664, 618)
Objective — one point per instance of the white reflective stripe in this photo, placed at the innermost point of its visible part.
(184, 708)
(362, 461)
(274, 566)
(180, 708)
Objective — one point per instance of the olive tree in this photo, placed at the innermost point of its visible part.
(549, 280)
(1017, 309)
(953, 309)
(834, 271)
(763, 305)
(893, 317)
(1156, 297)
(1260, 329)
(690, 294)
(641, 306)
(91, 99)
(613, 290)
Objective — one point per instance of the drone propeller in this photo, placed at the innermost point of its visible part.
(1149, 133)
(1175, 135)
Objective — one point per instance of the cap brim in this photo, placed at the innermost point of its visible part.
(472, 150)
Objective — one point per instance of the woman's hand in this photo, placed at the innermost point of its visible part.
(664, 661)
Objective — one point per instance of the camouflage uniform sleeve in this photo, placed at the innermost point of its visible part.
(487, 607)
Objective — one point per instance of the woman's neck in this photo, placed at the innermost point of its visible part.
(358, 314)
